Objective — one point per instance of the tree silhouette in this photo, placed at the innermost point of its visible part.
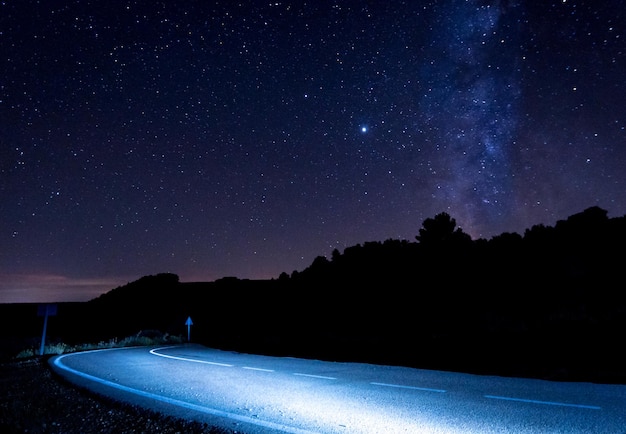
(440, 230)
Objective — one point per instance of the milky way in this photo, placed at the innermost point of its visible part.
(472, 100)
(214, 139)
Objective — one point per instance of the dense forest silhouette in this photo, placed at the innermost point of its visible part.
(548, 303)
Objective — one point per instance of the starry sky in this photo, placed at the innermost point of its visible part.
(223, 138)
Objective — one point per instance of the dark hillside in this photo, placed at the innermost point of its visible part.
(549, 303)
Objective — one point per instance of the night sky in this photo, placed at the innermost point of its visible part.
(213, 139)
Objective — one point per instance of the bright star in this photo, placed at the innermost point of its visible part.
(364, 129)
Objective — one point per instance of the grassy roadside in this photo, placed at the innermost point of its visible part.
(139, 340)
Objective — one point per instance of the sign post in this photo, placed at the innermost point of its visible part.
(189, 323)
(45, 310)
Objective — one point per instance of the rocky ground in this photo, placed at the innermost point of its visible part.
(33, 399)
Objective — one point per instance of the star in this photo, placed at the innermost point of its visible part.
(210, 139)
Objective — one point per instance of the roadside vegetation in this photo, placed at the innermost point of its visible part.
(141, 339)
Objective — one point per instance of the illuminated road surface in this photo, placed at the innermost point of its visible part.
(260, 394)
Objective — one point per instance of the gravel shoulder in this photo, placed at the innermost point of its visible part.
(33, 399)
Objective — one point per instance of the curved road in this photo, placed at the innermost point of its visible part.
(261, 394)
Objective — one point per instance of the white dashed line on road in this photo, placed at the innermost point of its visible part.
(257, 369)
(532, 401)
(314, 376)
(401, 386)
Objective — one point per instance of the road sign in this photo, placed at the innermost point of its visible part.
(45, 310)
(189, 323)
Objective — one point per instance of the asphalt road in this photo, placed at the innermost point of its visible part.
(260, 394)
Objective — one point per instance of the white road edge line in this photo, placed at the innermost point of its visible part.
(532, 401)
(155, 352)
(212, 411)
(314, 376)
(400, 386)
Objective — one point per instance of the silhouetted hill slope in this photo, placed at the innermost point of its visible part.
(548, 303)
(550, 299)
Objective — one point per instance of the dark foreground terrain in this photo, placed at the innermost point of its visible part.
(35, 400)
